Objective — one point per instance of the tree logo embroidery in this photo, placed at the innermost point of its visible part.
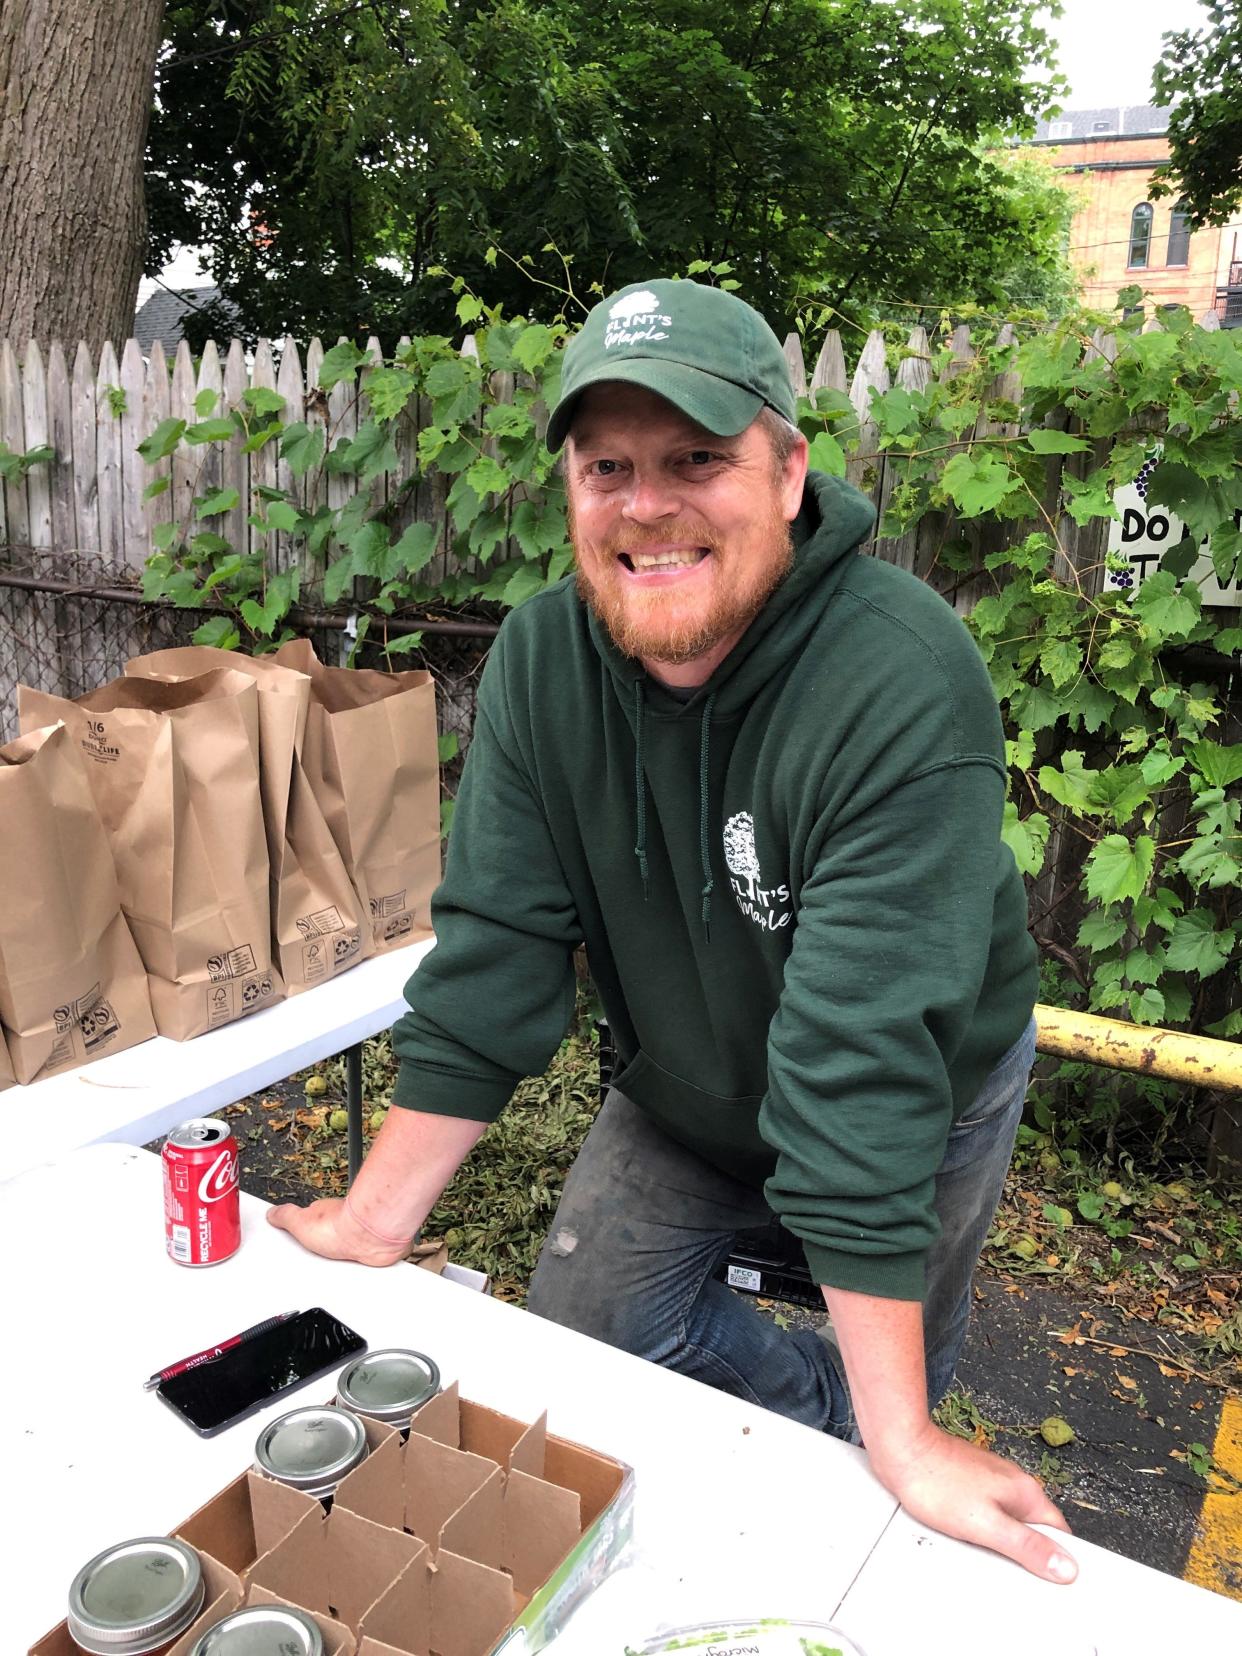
(635, 318)
(768, 907)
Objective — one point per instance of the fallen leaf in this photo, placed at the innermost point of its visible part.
(1169, 1373)
(1071, 1371)
(1118, 1351)
(279, 1123)
(1125, 1380)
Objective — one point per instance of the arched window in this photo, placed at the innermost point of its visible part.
(1179, 235)
(1140, 236)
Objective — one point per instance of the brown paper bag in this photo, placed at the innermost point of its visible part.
(371, 756)
(317, 917)
(175, 773)
(7, 1078)
(72, 986)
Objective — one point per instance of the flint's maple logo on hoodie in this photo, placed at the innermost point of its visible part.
(767, 906)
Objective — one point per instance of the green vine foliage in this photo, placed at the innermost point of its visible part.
(1124, 808)
(478, 436)
(1125, 802)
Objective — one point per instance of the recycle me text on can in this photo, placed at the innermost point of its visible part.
(202, 1206)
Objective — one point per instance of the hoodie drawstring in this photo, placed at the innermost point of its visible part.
(640, 788)
(704, 851)
(640, 803)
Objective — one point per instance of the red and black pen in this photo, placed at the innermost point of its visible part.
(212, 1352)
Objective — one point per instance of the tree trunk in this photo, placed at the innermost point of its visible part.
(76, 82)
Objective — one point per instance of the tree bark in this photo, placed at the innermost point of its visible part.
(76, 82)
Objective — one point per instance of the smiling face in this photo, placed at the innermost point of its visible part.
(680, 536)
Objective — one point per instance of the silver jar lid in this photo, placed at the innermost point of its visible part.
(135, 1596)
(312, 1448)
(262, 1630)
(388, 1385)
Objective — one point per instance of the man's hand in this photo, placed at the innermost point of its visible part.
(949, 1485)
(968, 1492)
(411, 1159)
(329, 1229)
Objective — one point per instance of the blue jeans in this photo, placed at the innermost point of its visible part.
(643, 1223)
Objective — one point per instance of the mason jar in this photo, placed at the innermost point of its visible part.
(135, 1598)
(388, 1385)
(262, 1630)
(312, 1449)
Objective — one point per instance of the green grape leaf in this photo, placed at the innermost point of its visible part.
(1197, 945)
(219, 500)
(1026, 837)
(1045, 441)
(1116, 869)
(301, 448)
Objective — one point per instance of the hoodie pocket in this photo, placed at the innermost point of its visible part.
(723, 1130)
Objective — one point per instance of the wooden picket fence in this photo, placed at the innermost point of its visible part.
(87, 503)
(89, 500)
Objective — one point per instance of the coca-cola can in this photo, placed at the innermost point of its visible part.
(202, 1207)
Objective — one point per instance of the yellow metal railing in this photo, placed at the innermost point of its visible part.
(1195, 1059)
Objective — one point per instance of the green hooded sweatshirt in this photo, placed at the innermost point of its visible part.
(808, 937)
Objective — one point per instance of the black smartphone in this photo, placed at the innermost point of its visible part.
(248, 1376)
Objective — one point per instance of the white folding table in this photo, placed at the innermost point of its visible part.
(135, 1096)
(738, 1512)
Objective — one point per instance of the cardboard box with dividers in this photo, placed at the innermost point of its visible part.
(476, 1531)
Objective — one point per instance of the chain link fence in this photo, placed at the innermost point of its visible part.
(69, 621)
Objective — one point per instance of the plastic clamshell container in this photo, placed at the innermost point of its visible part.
(752, 1638)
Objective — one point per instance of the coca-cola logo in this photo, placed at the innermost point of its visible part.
(220, 1179)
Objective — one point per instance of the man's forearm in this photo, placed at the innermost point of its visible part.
(959, 1488)
(412, 1158)
(881, 1343)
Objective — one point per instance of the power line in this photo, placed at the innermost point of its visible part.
(262, 36)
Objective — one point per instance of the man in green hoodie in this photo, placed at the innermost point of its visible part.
(762, 777)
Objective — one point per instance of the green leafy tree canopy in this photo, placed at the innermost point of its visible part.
(1198, 76)
(331, 154)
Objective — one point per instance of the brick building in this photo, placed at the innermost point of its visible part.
(1119, 237)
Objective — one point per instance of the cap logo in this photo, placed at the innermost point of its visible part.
(635, 317)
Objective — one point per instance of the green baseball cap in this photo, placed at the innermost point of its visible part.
(706, 351)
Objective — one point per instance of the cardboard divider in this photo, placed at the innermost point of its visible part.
(542, 1524)
(245, 1520)
(338, 1567)
(376, 1489)
(438, 1481)
(593, 1477)
(454, 1607)
(476, 1529)
(478, 1430)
